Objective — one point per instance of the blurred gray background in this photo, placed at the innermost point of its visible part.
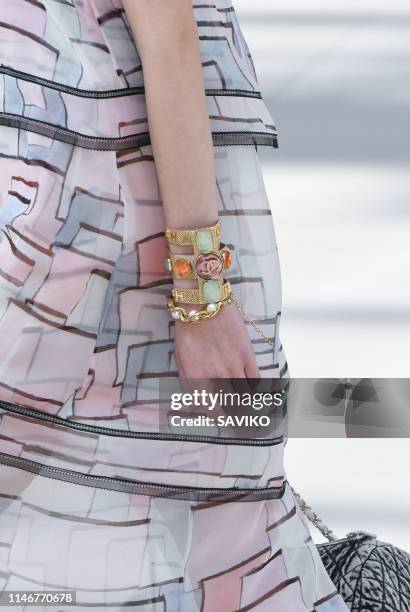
(336, 77)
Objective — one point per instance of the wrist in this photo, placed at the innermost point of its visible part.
(197, 262)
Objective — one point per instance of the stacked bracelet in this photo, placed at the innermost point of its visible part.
(194, 316)
(195, 296)
(206, 265)
(189, 266)
(203, 239)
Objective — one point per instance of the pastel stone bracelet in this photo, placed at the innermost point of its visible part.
(202, 240)
(210, 293)
(206, 265)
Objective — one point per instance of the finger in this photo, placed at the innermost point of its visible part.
(238, 372)
(184, 386)
(199, 388)
(240, 382)
(180, 368)
(251, 367)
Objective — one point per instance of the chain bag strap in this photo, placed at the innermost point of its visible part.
(370, 575)
(314, 518)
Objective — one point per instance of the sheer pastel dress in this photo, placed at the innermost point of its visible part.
(93, 498)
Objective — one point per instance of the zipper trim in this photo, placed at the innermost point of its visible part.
(226, 139)
(69, 136)
(124, 142)
(135, 487)
(112, 93)
(32, 413)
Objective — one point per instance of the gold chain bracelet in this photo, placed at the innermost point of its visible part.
(195, 316)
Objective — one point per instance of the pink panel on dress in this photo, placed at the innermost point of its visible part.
(224, 591)
(239, 534)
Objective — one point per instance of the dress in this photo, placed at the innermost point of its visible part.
(93, 498)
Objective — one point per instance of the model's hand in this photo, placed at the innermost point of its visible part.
(215, 348)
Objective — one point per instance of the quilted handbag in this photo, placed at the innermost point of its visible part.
(371, 576)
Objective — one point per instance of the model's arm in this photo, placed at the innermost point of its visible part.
(167, 39)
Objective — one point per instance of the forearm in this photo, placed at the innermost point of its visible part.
(166, 36)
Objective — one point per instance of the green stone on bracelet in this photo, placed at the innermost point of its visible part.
(212, 291)
(204, 240)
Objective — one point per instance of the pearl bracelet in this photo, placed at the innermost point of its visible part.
(195, 316)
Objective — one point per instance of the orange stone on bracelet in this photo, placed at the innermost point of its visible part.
(183, 268)
(227, 257)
